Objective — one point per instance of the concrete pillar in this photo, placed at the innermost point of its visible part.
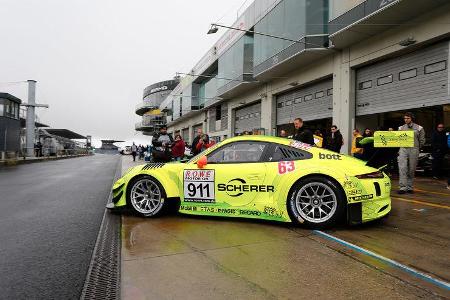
(30, 126)
(268, 119)
(344, 98)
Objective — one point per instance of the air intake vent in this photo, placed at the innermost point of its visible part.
(153, 166)
(288, 153)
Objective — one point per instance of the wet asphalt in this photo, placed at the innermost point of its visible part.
(191, 257)
(50, 215)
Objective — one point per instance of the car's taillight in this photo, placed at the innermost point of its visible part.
(373, 175)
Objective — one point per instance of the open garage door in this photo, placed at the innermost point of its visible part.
(418, 79)
(311, 102)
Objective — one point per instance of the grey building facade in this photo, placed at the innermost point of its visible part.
(352, 63)
(9, 125)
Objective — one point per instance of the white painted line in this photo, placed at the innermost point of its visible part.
(416, 273)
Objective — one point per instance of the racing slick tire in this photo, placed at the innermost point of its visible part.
(316, 202)
(146, 197)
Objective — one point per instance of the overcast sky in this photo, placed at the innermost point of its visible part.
(93, 58)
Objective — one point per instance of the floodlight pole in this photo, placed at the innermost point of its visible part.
(30, 125)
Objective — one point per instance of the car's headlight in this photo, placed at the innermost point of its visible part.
(373, 175)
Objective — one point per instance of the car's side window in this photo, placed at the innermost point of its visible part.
(238, 152)
(286, 153)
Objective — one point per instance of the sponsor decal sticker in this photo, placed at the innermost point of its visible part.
(300, 145)
(353, 192)
(361, 197)
(330, 156)
(199, 186)
(238, 186)
(285, 167)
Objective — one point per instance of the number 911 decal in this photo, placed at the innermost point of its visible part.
(199, 186)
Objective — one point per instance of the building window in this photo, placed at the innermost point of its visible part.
(385, 80)
(330, 92)
(308, 97)
(218, 112)
(319, 94)
(280, 104)
(407, 74)
(181, 106)
(289, 103)
(436, 67)
(298, 100)
(365, 85)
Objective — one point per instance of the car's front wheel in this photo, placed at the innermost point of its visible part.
(146, 196)
(316, 202)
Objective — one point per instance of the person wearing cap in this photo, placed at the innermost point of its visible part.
(408, 157)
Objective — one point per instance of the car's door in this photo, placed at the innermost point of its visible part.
(237, 172)
(282, 160)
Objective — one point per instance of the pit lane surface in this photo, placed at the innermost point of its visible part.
(188, 257)
(50, 214)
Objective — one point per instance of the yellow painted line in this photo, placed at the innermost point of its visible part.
(421, 202)
(437, 193)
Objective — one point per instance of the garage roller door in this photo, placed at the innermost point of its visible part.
(248, 118)
(185, 134)
(414, 80)
(312, 102)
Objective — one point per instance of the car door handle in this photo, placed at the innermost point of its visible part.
(254, 176)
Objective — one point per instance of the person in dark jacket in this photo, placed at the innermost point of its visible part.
(195, 142)
(204, 143)
(368, 148)
(162, 142)
(301, 134)
(439, 149)
(335, 140)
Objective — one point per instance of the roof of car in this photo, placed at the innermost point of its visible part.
(262, 138)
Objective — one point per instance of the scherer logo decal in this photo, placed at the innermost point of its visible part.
(238, 186)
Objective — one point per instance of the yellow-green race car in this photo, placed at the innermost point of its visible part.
(260, 177)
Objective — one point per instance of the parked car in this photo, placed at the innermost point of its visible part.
(125, 150)
(260, 177)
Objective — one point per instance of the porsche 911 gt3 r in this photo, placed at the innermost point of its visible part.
(260, 177)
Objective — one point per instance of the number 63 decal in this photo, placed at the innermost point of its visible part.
(285, 167)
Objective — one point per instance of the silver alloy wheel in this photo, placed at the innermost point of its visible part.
(145, 196)
(316, 202)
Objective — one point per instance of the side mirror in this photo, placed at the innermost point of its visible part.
(202, 162)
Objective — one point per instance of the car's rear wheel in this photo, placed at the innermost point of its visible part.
(316, 202)
(146, 196)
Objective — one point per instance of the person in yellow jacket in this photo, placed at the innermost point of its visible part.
(356, 152)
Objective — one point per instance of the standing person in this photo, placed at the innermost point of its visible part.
(439, 149)
(301, 134)
(139, 152)
(283, 133)
(133, 151)
(368, 145)
(162, 141)
(356, 152)
(178, 148)
(335, 140)
(204, 143)
(195, 142)
(407, 158)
